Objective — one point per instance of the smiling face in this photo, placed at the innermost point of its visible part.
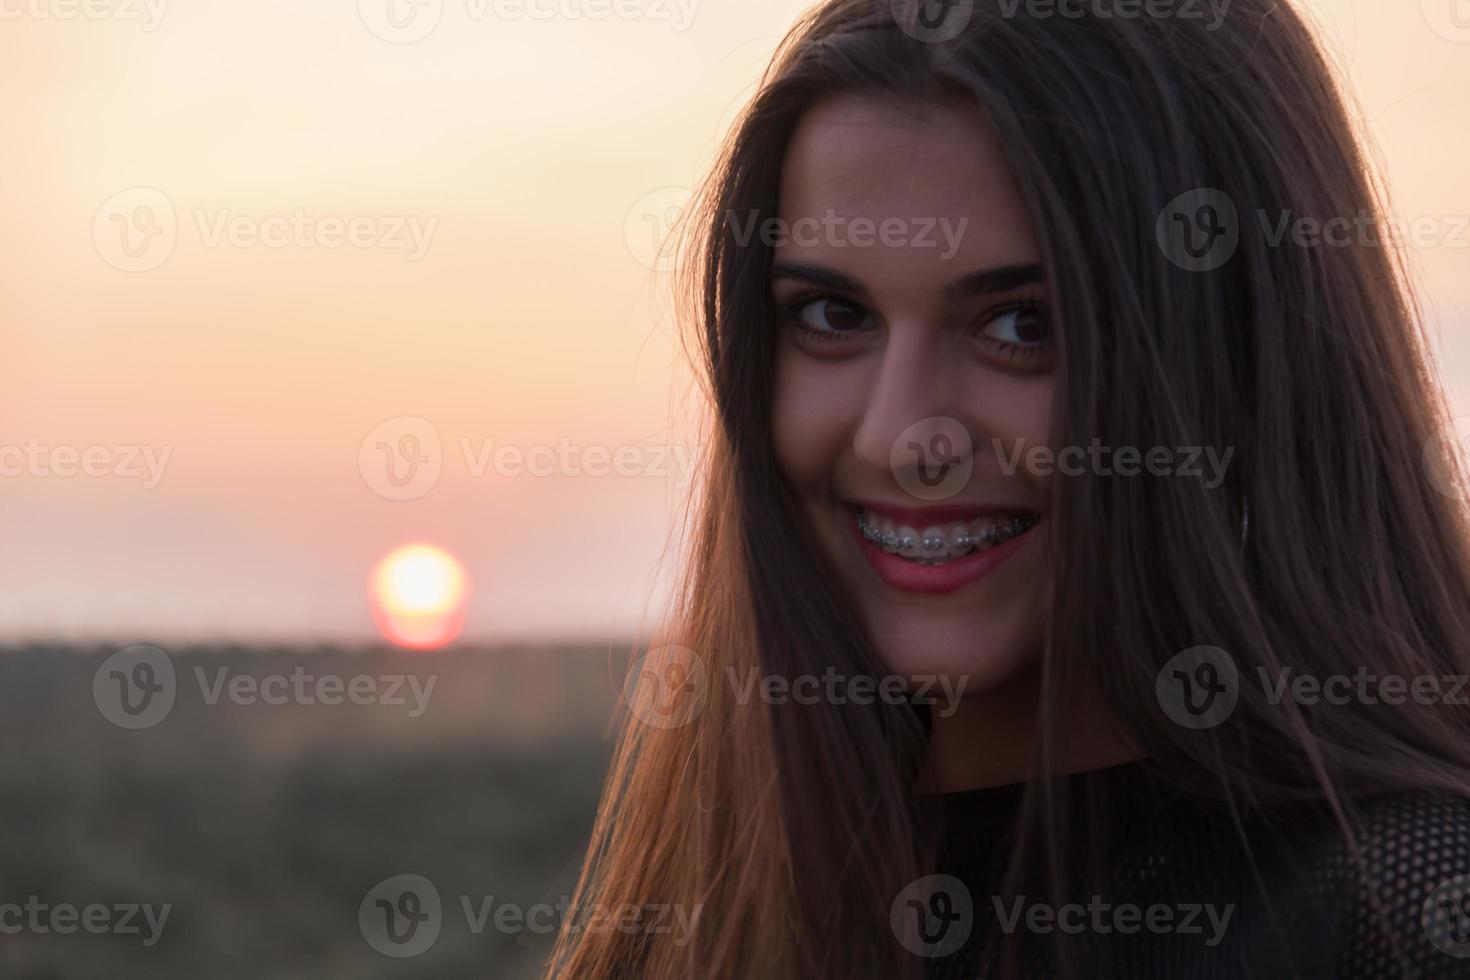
(915, 357)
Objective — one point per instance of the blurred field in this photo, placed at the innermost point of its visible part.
(265, 826)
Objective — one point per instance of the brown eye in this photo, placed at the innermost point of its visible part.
(1021, 327)
(833, 316)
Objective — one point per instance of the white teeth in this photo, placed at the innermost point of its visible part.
(887, 536)
(960, 542)
(984, 534)
(936, 544)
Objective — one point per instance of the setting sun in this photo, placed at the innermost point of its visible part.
(418, 594)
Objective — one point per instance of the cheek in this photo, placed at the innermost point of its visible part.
(809, 421)
(1013, 416)
(1017, 404)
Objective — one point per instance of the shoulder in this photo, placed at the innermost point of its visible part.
(1399, 903)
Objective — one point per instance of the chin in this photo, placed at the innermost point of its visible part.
(983, 651)
(987, 632)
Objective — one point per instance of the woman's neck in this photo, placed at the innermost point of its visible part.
(990, 739)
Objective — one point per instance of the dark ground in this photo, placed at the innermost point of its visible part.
(265, 827)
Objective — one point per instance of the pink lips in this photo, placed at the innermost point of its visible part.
(952, 575)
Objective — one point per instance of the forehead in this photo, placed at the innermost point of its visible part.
(860, 157)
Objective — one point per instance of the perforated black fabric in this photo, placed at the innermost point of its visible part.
(1288, 898)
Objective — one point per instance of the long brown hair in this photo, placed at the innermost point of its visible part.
(791, 828)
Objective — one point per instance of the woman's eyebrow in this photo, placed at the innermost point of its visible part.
(817, 275)
(997, 280)
(979, 282)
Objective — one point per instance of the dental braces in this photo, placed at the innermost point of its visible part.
(962, 545)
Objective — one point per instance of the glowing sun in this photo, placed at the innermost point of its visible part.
(419, 594)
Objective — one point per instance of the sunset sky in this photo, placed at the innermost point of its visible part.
(461, 250)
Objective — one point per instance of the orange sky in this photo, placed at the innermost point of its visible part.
(526, 155)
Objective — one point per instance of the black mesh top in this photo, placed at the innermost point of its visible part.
(1182, 893)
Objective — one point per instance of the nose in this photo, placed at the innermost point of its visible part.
(912, 419)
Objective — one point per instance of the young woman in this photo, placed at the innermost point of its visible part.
(1064, 371)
